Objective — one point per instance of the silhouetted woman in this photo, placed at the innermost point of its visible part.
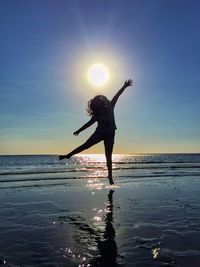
(101, 111)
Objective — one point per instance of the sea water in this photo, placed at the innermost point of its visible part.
(47, 170)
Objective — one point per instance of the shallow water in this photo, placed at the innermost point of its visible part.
(143, 220)
(40, 170)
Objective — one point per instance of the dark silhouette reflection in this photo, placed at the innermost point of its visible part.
(107, 247)
(97, 240)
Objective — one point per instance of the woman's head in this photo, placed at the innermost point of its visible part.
(98, 105)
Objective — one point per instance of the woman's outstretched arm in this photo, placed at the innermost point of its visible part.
(85, 126)
(115, 98)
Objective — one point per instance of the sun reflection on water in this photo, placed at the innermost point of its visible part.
(94, 185)
(97, 218)
(155, 252)
(69, 254)
(89, 159)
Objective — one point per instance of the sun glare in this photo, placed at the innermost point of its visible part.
(98, 75)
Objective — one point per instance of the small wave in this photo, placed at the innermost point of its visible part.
(99, 177)
(146, 162)
(89, 168)
(22, 172)
(156, 167)
(39, 179)
(165, 175)
(34, 186)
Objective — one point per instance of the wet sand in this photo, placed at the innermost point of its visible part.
(137, 222)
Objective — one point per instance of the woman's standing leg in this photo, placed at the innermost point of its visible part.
(108, 143)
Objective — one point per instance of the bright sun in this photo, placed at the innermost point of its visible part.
(98, 75)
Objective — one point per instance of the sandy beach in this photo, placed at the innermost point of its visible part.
(138, 222)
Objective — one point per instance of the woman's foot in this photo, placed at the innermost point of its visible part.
(64, 157)
(111, 181)
(61, 157)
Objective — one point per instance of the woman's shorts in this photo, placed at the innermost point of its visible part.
(97, 137)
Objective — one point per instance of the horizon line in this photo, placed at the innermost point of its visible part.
(134, 153)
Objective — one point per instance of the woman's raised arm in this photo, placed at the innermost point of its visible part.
(127, 83)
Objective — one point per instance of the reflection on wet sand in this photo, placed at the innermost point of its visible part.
(96, 239)
(107, 247)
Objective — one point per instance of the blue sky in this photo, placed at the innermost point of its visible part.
(45, 47)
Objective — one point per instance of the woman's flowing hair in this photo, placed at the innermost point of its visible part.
(97, 105)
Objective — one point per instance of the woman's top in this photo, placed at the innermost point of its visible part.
(106, 120)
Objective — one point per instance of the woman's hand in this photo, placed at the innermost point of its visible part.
(76, 133)
(128, 83)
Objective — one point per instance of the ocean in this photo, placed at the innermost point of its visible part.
(19, 171)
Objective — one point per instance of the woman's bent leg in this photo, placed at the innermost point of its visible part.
(92, 140)
(78, 150)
